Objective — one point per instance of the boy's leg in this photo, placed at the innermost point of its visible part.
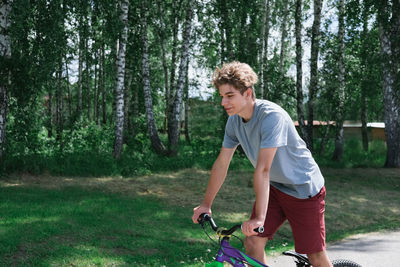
(306, 218)
(255, 247)
(320, 259)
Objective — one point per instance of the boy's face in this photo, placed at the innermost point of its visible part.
(232, 100)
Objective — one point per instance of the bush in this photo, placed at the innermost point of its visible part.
(354, 154)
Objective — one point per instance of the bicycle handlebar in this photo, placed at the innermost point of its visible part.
(204, 217)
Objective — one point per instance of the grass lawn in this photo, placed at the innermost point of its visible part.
(145, 221)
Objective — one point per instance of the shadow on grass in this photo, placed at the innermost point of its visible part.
(145, 221)
(75, 227)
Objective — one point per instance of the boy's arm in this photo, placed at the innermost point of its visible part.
(261, 181)
(217, 178)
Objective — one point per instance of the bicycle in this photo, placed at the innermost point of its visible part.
(237, 258)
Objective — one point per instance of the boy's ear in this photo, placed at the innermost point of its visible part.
(249, 92)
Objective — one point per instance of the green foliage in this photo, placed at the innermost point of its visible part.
(354, 155)
(48, 37)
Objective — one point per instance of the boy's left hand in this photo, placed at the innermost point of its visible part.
(249, 226)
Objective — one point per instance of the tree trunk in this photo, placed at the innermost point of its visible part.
(151, 126)
(173, 120)
(87, 80)
(161, 35)
(96, 89)
(59, 107)
(119, 91)
(389, 27)
(325, 138)
(339, 141)
(186, 103)
(68, 90)
(170, 100)
(50, 113)
(282, 54)
(5, 56)
(315, 36)
(364, 104)
(299, 69)
(228, 53)
(80, 76)
(264, 49)
(127, 100)
(102, 85)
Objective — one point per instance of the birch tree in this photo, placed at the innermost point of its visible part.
(81, 43)
(264, 49)
(389, 32)
(151, 125)
(174, 119)
(119, 92)
(299, 68)
(363, 55)
(5, 57)
(339, 142)
(315, 37)
(282, 54)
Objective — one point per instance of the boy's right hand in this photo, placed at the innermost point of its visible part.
(197, 211)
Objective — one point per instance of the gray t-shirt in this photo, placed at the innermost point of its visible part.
(293, 169)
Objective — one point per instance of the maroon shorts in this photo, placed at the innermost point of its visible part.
(305, 216)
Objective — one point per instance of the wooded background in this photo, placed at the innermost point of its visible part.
(104, 80)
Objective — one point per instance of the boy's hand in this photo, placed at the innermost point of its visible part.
(197, 211)
(249, 226)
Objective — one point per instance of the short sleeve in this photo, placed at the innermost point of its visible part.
(230, 139)
(274, 131)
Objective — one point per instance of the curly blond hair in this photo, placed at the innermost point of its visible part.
(240, 75)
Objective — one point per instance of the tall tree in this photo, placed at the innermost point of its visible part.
(227, 52)
(119, 92)
(315, 37)
(81, 50)
(5, 57)
(265, 28)
(59, 105)
(389, 32)
(299, 69)
(151, 126)
(339, 141)
(283, 50)
(363, 55)
(162, 37)
(174, 119)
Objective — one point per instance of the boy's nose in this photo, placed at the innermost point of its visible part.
(223, 101)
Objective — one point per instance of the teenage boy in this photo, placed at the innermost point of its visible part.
(287, 182)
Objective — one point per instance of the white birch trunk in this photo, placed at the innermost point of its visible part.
(174, 119)
(313, 71)
(119, 91)
(264, 47)
(389, 24)
(299, 69)
(5, 55)
(151, 126)
(282, 54)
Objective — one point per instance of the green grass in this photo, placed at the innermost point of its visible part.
(145, 220)
(77, 227)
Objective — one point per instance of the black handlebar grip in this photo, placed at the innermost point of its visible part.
(259, 230)
(204, 217)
